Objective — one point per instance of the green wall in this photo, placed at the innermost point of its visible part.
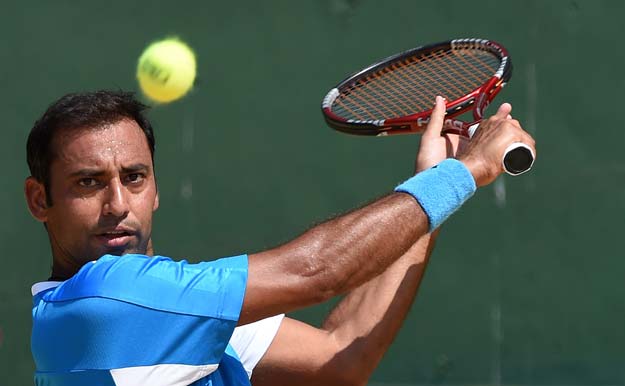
(526, 284)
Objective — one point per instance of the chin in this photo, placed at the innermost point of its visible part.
(126, 251)
(115, 251)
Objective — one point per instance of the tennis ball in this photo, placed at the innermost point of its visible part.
(166, 70)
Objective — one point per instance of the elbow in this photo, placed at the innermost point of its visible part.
(351, 380)
(349, 375)
(347, 366)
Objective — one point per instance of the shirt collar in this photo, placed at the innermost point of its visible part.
(44, 285)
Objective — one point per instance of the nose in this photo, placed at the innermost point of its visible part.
(116, 200)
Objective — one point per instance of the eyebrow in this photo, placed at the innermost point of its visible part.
(138, 167)
(94, 172)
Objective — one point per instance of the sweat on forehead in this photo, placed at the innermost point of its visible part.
(108, 137)
(81, 111)
(122, 142)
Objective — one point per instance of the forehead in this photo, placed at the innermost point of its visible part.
(120, 142)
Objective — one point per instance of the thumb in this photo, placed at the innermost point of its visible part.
(435, 125)
(503, 111)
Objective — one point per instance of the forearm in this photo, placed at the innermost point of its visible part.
(365, 323)
(354, 337)
(360, 329)
(333, 258)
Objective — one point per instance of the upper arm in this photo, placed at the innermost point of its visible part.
(251, 341)
(301, 354)
(332, 258)
(280, 281)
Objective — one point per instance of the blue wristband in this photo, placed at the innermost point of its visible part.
(440, 190)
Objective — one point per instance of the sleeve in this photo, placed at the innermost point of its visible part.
(211, 289)
(251, 341)
(142, 317)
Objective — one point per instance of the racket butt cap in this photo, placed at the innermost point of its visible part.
(518, 159)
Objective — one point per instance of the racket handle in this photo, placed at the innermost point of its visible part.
(517, 159)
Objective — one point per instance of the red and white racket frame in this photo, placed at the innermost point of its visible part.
(477, 100)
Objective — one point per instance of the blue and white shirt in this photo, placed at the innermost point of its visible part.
(138, 320)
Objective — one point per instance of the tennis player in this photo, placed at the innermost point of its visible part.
(113, 313)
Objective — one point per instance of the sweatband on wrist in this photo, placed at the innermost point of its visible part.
(440, 190)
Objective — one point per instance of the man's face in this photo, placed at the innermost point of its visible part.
(103, 193)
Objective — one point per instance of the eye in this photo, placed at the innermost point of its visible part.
(135, 178)
(87, 182)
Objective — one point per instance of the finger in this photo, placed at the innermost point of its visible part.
(503, 111)
(454, 143)
(462, 145)
(529, 140)
(508, 116)
(435, 126)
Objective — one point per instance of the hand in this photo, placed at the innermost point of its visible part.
(435, 147)
(484, 153)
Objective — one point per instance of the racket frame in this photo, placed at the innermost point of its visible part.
(478, 99)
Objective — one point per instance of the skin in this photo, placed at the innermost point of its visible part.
(347, 348)
(103, 193)
(102, 181)
(343, 253)
(352, 340)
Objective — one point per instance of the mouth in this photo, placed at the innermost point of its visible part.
(116, 238)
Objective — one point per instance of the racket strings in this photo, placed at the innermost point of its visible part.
(460, 72)
(361, 104)
(389, 83)
(436, 74)
(398, 103)
(409, 86)
(471, 68)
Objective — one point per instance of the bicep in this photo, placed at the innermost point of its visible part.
(331, 258)
(279, 282)
(300, 354)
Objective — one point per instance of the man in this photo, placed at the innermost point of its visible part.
(110, 315)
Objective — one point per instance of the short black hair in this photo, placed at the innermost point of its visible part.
(80, 111)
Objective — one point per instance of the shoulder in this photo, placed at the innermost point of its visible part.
(213, 289)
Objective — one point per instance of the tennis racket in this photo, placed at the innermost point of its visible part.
(395, 95)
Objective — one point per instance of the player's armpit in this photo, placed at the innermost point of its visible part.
(302, 355)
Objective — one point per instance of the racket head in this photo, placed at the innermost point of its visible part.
(396, 94)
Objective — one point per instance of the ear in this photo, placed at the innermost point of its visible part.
(36, 199)
(156, 203)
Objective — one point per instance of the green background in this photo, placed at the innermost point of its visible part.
(526, 284)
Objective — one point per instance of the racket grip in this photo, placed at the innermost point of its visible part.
(517, 159)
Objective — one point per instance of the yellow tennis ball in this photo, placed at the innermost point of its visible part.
(166, 70)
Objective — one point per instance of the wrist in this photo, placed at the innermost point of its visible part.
(474, 167)
(440, 190)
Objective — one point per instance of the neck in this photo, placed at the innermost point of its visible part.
(62, 272)
(64, 267)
